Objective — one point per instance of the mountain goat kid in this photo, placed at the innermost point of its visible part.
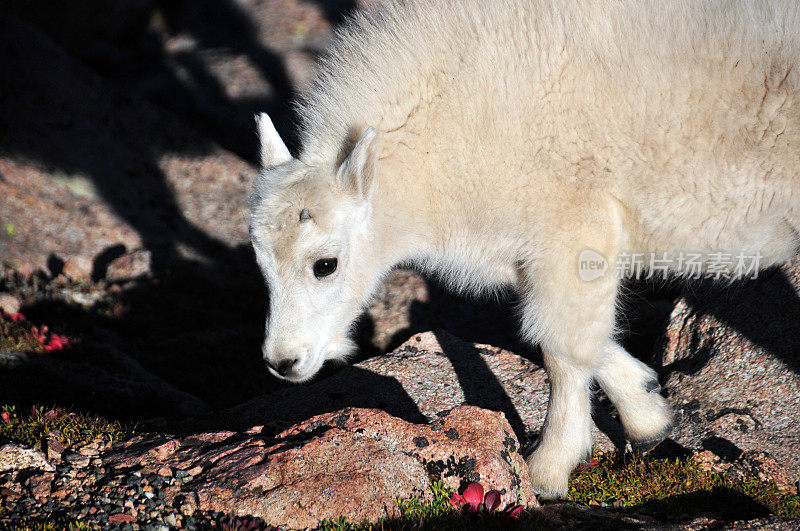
(538, 145)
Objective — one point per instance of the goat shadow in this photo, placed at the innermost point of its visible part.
(764, 310)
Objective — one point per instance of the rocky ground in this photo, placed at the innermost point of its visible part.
(128, 291)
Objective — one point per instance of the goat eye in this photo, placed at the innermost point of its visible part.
(324, 267)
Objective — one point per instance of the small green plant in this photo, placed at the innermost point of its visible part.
(416, 509)
(32, 426)
(414, 514)
(671, 488)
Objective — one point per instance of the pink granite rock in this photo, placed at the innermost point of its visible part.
(40, 485)
(731, 365)
(752, 463)
(17, 457)
(429, 373)
(353, 463)
(134, 264)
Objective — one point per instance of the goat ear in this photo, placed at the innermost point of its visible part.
(273, 150)
(357, 172)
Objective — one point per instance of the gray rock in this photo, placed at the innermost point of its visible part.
(77, 460)
(767, 523)
(54, 447)
(9, 303)
(15, 457)
(11, 359)
(135, 264)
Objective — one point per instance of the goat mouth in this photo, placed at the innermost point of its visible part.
(305, 371)
(309, 367)
(293, 377)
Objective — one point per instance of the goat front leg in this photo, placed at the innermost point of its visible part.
(572, 320)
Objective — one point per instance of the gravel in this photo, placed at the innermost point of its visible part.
(103, 498)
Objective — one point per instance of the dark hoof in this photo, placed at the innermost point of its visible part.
(643, 447)
(652, 386)
(548, 494)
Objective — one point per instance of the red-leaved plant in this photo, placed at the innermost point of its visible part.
(12, 316)
(473, 500)
(51, 342)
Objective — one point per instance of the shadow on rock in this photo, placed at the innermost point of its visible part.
(353, 387)
(185, 333)
(214, 63)
(172, 346)
(478, 383)
(721, 503)
(766, 311)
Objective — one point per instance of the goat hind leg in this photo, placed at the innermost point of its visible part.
(633, 388)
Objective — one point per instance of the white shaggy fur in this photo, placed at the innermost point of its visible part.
(509, 137)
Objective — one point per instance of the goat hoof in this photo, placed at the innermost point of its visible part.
(643, 447)
(652, 386)
(544, 493)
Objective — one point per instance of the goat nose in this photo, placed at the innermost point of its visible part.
(284, 366)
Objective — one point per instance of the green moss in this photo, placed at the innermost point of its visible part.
(33, 426)
(419, 510)
(672, 488)
(667, 489)
(18, 336)
(414, 512)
